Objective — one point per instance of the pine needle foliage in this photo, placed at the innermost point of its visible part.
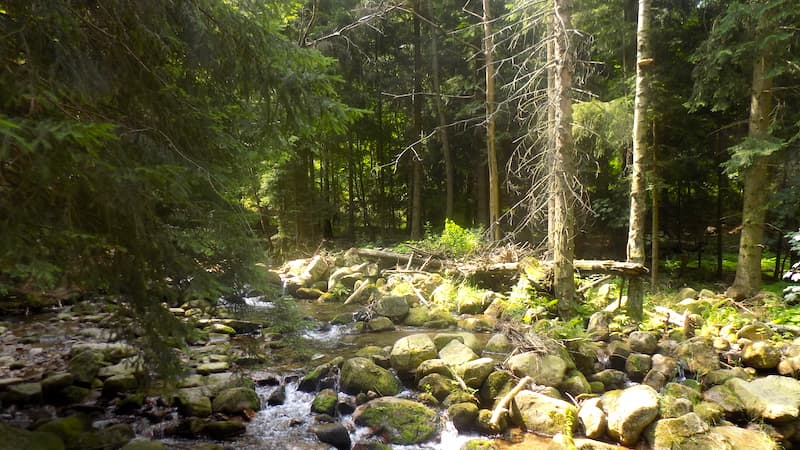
(127, 130)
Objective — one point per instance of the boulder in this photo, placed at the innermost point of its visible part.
(142, 444)
(637, 365)
(773, 398)
(475, 372)
(236, 400)
(84, 366)
(55, 383)
(547, 370)
(463, 415)
(394, 307)
(380, 323)
(17, 439)
(630, 411)
(213, 367)
(224, 429)
(761, 355)
(408, 352)
(362, 375)
(643, 342)
(468, 339)
(741, 438)
(111, 437)
(24, 394)
(499, 343)
(497, 384)
(192, 402)
(435, 365)
(685, 432)
(325, 402)
(725, 398)
(611, 378)
(664, 369)
(575, 383)
(417, 317)
(400, 421)
(120, 383)
(699, 356)
(592, 417)
(543, 414)
(437, 385)
(455, 353)
(334, 434)
(109, 351)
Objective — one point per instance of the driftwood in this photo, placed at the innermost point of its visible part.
(502, 406)
(356, 295)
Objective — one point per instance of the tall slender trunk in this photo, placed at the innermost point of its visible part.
(638, 210)
(562, 178)
(756, 181)
(417, 174)
(491, 150)
(447, 153)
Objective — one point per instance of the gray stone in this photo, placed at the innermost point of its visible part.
(380, 324)
(761, 355)
(773, 398)
(637, 365)
(455, 353)
(111, 351)
(224, 429)
(192, 402)
(475, 372)
(684, 432)
(213, 367)
(499, 343)
(629, 412)
(543, 414)
(546, 370)
(119, 383)
(643, 342)
(592, 418)
(468, 339)
(362, 375)
(435, 365)
(611, 378)
(84, 366)
(55, 383)
(334, 434)
(408, 352)
(24, 394)
(699, 356)
(236, 400)
(394, 307)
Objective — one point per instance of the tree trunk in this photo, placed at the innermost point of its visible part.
(655, 258)
(491, 151)
(449, 167)
(756, 183)
(416, 155)
(638, 209)
(562, 178)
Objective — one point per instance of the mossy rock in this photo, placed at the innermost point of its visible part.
(68, 429)
(409, 352)
(192, 402)
(401, 421)
(224, 429)
(438, 385)
(236, 400)
(18, 439)
(362, 375)
(464, 415)
(417, 317)
(479, 444)
(325, 402)
(497, 384)
(141, 444)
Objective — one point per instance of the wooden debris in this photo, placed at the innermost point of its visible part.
(502, 406)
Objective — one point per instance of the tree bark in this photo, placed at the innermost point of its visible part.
(756, 181)
(563, 175)
(638, 208)
(416, 157)
(447, 153)
(491, 150)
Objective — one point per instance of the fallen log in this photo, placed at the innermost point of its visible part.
(389, 259)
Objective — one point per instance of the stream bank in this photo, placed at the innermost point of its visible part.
(364, 369)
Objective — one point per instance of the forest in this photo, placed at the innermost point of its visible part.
(214, 209)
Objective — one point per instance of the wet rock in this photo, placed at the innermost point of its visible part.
(112, 352)
(24, 394)
(380, 324)
(716, 377)
(401, 421)
(543, 414)
(463, 415)
(741, 438)
(310, 381)
(394, 307)
(124, 367)
(236, 400)
(55, 383)
(672, 407)
(637, 366)
(142, 444)
(409, 352)
(277, 397)
(725, 398)
(599, 324)
(455, 353)
(679, 390)
(111, 437)
(629, 412)
(773, 398)
(643, 342)
(224, 429)
(618, 352)
(16, 438)
(192, 402)
(664, 369)
(592, 417)
(546, 370)
(220, 328)
(761, 355)
(119, 383)
(611, 378)
(129, 403)
(475, 372)
(325, 402)
(362, 375)
(437, 385)
(499, 343)
(334, 434)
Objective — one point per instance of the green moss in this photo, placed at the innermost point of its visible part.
(404, 422)
(325, 402)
